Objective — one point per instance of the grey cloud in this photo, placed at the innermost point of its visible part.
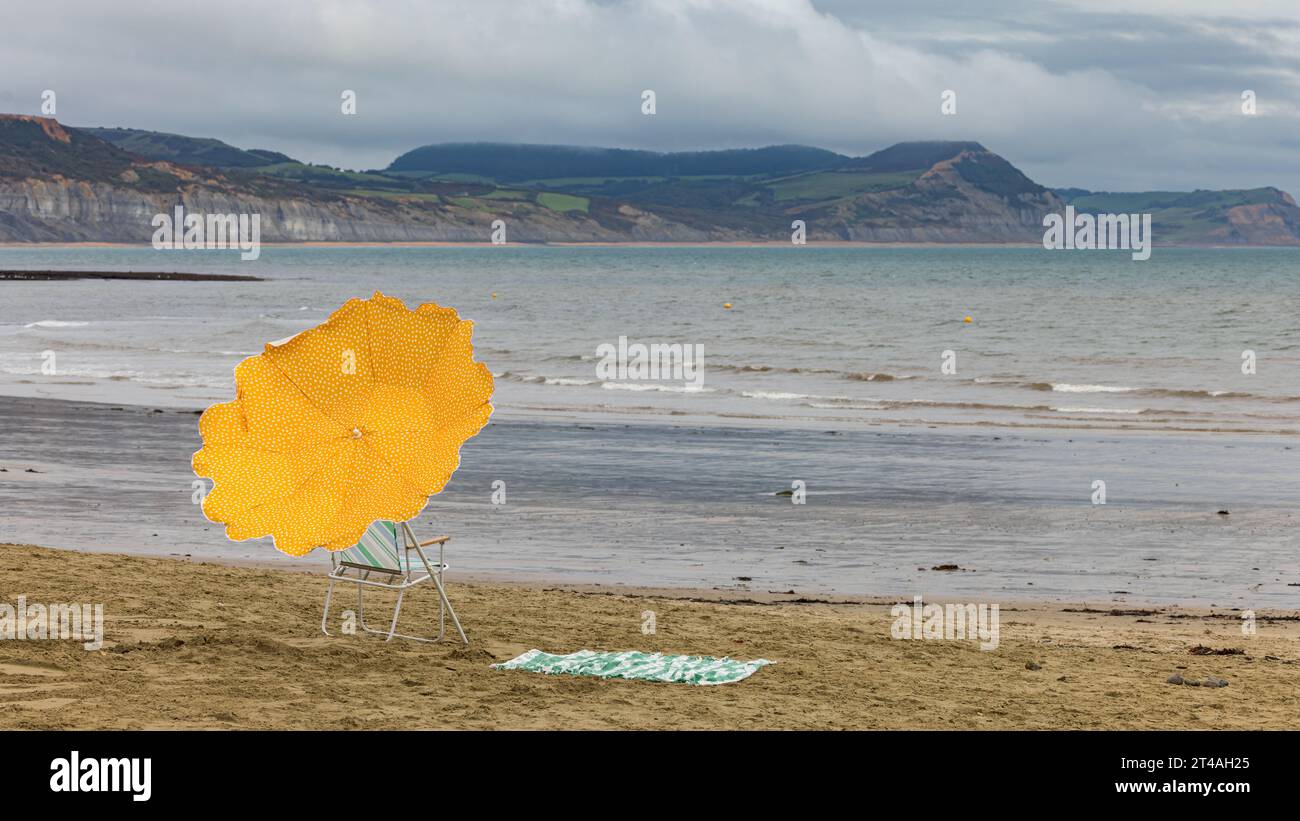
(1074, 97)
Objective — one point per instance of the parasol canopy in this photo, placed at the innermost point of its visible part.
(358, 419)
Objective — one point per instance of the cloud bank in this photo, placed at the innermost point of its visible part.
(1096, 96)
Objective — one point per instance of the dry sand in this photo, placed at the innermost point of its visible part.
(193, 645)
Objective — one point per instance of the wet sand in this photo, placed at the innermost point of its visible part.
(690, 506)
(205, 645)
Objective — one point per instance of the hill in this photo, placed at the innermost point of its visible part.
(186, 150)
(506, 162)
(62, 183)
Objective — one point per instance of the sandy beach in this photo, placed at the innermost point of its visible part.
(203, 645)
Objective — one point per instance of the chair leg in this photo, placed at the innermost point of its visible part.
(397, 610)
(324, 619)
(361, 611)
(442, 620)
(442, 594)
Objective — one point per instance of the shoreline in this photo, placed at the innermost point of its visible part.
(207, 645)
(148, 276)
(630, 244)
(315, 564)
(557, 244)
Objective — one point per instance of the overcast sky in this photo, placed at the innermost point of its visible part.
(1102, 94)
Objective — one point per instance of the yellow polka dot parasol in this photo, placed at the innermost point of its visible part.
(358, 419)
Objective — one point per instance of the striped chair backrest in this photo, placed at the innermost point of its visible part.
(379, 548)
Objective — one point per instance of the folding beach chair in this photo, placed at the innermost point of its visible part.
(385, 551)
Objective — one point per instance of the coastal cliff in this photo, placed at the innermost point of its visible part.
(64, 184)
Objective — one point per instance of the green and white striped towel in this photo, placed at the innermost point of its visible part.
(635, 665)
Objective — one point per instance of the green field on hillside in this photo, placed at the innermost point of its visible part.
(563, 202)
(325, 176)
(506, 194)
(823, 185)
(1147, 201)
(395, 196)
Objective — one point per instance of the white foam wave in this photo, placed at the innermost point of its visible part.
(649, 386)
(784, 395)
(55, 323)
(1099, 410)
(1063, 387)
(562, 380)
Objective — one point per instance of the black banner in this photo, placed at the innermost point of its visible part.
(144, 771)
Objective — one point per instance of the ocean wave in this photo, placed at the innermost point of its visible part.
(511, 376)
(729, 368)
(1100, 410)
(187, 351)
(837, 402)
(1063, 387)
(1164, 393)
(56, 323)
(874, 377)
(1196, 394)
(138, 377)
(857, 376)
(846, 406)
(784, 395)
(651, 386)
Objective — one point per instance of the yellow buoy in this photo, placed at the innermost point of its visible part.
(968, 319)
(727, 305)
(494, 294)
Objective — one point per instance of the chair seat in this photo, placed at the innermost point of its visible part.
(414, 563)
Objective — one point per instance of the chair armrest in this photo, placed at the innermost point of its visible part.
(439, 540)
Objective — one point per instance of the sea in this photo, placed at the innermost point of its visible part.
(852, 336)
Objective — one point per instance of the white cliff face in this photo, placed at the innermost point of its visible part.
(941, 206)
(60, 210)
